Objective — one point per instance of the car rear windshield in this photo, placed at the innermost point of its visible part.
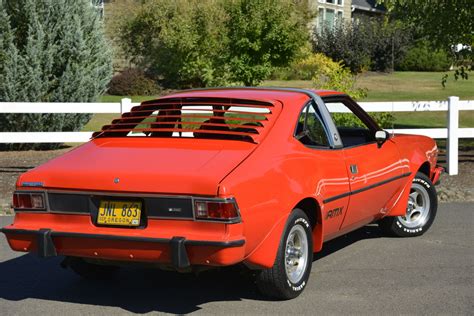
(209, 118)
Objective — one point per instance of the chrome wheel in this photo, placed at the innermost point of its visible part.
(418, 208)
(296, 253)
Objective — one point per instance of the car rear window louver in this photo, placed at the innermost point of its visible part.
(210, 118)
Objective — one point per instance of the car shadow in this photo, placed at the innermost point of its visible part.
(332, 246)
(140, 290)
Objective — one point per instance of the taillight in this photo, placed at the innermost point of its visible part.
(28, 201)
(217, 210)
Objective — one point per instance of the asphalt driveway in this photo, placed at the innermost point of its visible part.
(360, 273)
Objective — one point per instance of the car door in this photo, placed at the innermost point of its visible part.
(375, 172)
(327, 168)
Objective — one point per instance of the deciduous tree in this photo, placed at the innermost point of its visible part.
(198, 43)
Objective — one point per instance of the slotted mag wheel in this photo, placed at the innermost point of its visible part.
(296, 254)
(418, 207)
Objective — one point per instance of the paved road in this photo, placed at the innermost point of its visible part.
(360, 273)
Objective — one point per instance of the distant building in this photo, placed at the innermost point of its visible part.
(363, 9)
(332, 12)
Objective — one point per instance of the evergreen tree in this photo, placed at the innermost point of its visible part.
(51, 51)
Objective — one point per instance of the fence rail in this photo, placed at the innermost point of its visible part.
(452, 133)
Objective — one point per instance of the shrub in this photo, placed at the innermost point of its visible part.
(196, 43)
(350, 44)
(421, 57)
(180, 42)
(50, 51)
(132, 81)
(301, 69)
(331, 75)
(383, 119)
(263, 34)
(369, 44)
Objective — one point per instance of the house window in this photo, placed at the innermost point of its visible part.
(320, 19)
(340, 17)
(338, 2)
(329, 19)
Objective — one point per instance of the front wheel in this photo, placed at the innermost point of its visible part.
(290, 272)
(421, 210)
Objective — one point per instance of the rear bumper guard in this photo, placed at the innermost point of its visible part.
(178, 253)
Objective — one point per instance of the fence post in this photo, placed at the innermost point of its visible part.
(452, 145)
(125, 105)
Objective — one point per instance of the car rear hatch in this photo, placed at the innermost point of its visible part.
(154, 165)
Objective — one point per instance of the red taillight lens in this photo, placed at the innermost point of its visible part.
(216, 210)
(29, 201)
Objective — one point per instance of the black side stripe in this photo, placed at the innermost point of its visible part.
(343, 195)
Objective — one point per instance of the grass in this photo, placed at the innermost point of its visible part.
(397, 86)
(99, 120)
(414, 86)
(400, 86)
(408, 86)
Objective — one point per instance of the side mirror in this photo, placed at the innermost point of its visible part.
(380, 138)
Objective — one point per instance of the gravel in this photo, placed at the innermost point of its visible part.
(458, 188)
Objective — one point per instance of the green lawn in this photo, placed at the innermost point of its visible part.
(400, 86)
(408, 86)
(414, 86)
(397, 86)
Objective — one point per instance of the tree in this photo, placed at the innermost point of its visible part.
(198, 43)
(51, 51)
(183, 42)
(371, 44)
(444, 23)
(263, 34)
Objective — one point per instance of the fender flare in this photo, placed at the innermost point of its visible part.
(264, 255)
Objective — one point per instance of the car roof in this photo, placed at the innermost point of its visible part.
(267, 94)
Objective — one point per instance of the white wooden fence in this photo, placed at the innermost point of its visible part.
(452, 133)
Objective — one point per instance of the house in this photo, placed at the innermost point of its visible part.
(364, 9)
(332, 12)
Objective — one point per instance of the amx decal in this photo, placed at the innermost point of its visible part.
(334, 212)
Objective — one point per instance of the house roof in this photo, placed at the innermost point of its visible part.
(368, 5)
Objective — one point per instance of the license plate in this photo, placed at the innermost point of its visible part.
(119, 213)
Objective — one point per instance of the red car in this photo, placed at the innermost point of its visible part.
(217, 177)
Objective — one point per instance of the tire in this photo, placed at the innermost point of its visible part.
(91, 271)
(421, 210)
(290, 272)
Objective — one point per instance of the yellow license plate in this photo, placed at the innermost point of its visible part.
(119, 213)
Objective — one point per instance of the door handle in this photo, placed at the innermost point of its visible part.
(354, 169)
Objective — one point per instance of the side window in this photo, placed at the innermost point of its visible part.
(352, 130)
(310, 130)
